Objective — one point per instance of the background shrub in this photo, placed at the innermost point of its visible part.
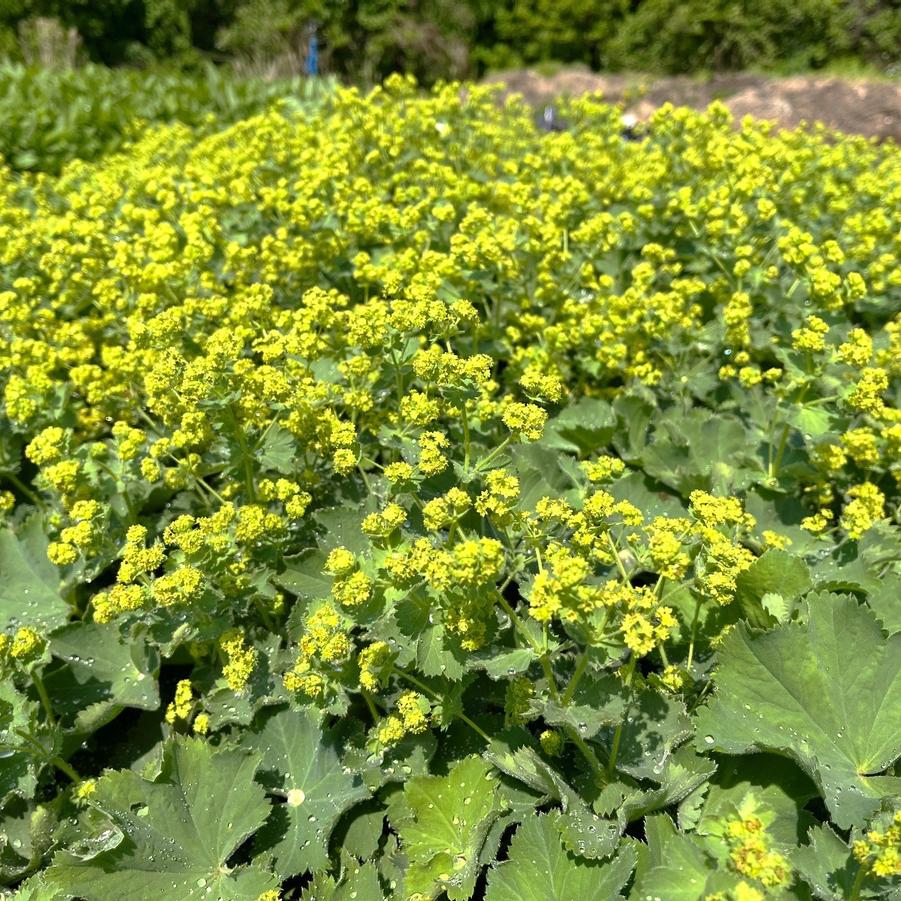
(50, 117)
(367, 39)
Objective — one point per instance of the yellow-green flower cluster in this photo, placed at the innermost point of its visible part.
(324, 646)
(879, 851)
(411, 718)
(240, 659)
(751, 853)
(343, 404)
(864, 510)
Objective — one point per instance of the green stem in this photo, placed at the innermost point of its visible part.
(467, 441)
(549, 675)
(577, 677)
(475, 728)
(433, 694)
(264, 614)
(774, 468)
(45, 698)
(365, 477)
(539, 651)
(518, 624)
(398, 378)
(66, 768)
(367, 697)
(499, 449)
(618, 734)
(202, 482)
(23, 488)
(587, 753)
(245, 453)
(694, 629)
(619, 563)
(858, 883)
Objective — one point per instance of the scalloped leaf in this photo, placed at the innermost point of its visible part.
(29, 582)
(824, 693)
(302, 761)
(443, 822)
(539, 868)
(827, 865)
(104, 673)
(176, 833)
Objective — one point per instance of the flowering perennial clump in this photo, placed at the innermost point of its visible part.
(387, 481)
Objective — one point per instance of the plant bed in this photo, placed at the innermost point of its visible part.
(404, 502)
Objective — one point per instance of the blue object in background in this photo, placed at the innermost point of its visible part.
(311, 63)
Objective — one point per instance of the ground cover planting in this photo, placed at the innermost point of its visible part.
(52, 116)
(404, 502)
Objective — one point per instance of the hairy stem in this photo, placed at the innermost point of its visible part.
(694, 632)
(618, 734)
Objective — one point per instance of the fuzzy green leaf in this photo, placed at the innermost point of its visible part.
(436, 654)
(18, 768)
(540, 869)
(778, 572)
(302, 761)
(361, 883)
(828, 867)
(278, 451)
(443, 822)
(29, 582)
(673, 866)
(103, 673)
(801, 690)
(177, 832)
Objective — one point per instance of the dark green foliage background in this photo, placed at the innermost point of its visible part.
(367, 39)
(52, 116)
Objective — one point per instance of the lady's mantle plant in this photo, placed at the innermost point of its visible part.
(403, 502)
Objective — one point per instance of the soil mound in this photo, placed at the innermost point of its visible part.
(868, 108)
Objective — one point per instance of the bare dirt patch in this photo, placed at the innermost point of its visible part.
(868, 108)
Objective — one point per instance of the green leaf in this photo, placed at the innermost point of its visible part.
(583, 427)
(654, 725)
(436, 654)
(776, 606)
(587, 835)
(696, 450)
(540, 474)
(177, 832)
(828, 867)
(364, 827)
(682, 774)
(342, 528)
(773, 782)
(278, 451)
(302, 761)
(634, 415)
(524, 765)
(304, 576)
(799, 690)
(673, 867)
(104, 673)
(34, 889)
(443, 822)
(597, 702)
(360, 883)
(883, 601)
(774, 572)
(29, 582)
(540, 869)
(504, 665)
(648, 496)
(811, 420)
(18, 768)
